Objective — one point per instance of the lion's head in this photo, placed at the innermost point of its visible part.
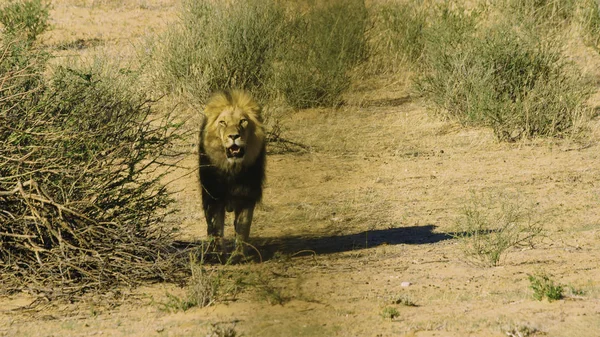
(233, 134)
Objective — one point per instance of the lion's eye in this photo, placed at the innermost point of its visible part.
(243, 122)
(222, 123)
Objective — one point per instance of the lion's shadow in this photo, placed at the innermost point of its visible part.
(308, 245)
(266, 248)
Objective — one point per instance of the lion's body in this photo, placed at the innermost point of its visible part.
(232, 161)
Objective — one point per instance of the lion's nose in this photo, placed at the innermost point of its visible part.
(234, 136)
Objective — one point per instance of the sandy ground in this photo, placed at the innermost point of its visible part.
(356, 227)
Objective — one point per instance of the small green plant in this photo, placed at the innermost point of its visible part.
(203, 290)
(390, 313)
(261, 286)
(489, 226)
(176, 303)
(205, 286)
(521, 330)
(221, 331)
(544, 287)
(576, 291)
(405, 301)
(269, 293)
(28, 18)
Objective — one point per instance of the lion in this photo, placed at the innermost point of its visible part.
(232, 157)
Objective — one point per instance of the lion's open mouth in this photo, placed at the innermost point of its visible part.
(235, 151)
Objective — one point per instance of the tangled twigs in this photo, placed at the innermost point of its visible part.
(18, 188)
(82, 165)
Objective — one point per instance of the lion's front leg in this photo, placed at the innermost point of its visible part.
(215, 220)
(242, 223)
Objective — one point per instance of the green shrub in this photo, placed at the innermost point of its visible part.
(543, 286)
(449, 27)
(590, 21)
(390, 313)
(325, 45)
(28, 18)
(406, 301)
(264, 47)
(511, 78)
(20, 72)
(542, 12)
(220, 45)
(397, 36)
(444, 54)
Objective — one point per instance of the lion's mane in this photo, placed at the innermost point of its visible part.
(225, 183)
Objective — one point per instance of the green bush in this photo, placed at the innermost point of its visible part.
(590, 21)
(543, 286)
(220, 45)
(397, 36)
(444, 49)
(511, 78)
(390, 313)
(325, 45)
(266, 48)
(449, 27)
(27, 18)
(542, 12)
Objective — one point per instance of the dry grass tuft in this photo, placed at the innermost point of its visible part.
(491, 225)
